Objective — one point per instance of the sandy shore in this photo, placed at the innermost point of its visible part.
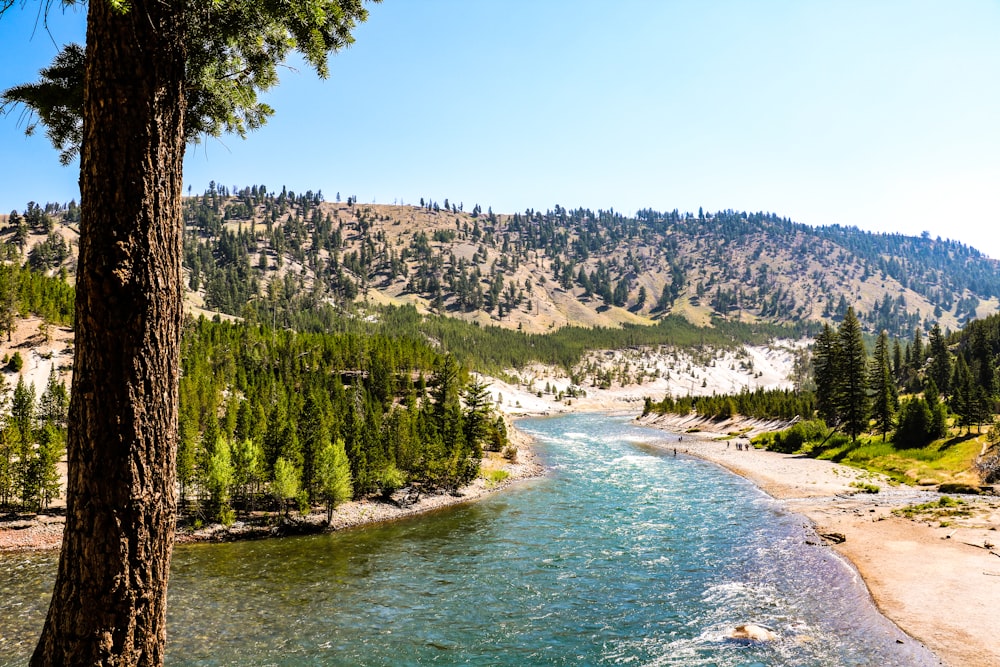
(933, 575)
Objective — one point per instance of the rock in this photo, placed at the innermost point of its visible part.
(406, 497)
(956, 488)
(751, 632)
(834, 538)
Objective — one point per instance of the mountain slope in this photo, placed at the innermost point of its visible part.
(254, 249)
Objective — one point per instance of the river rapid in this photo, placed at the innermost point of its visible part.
(624, 554)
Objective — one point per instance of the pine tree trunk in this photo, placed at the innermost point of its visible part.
(109, 602)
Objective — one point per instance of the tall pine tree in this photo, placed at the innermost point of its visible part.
(885, 400)
(852, 389)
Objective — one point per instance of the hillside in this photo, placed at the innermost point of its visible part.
(539, 271)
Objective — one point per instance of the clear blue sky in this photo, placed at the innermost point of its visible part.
(881, 114)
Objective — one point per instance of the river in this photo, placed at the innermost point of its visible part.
(623, 555)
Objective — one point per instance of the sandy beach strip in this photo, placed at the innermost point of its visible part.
(939, 583)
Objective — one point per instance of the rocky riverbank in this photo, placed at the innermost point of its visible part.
(44, 531)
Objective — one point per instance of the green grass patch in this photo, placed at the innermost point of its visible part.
(944, 507)
(947, 460)
(865, 487)
(494, 477)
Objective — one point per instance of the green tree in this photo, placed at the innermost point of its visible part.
(333, 475)
(187, 453)
(939, 413)
(27, 473)
(826, 372)
(885, 400)
(8, 453)
(964, 394)
(248, 470)
(54, 401)
(312, 433)
(285, 485)
(915, 424)
(218, 479)
(852, 388)
(8, 297)
(478, 409)
(175, 70)
(939, 366)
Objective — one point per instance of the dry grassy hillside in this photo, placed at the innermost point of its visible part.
(762, 272)
(540, 271)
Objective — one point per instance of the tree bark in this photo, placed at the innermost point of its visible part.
(109, 602)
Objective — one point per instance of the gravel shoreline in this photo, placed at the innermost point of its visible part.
(44, 531)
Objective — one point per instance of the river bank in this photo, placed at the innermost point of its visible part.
(936, 574)
(44, 531)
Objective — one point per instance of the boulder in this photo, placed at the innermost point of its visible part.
(405, 497)
(958, 488)
(751, 632)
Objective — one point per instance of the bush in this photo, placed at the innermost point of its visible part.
(494, 477)
(390, 479)
(916, 425)
(795, 437)
(16, 362)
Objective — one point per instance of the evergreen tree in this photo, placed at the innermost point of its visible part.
(22, 417)
(963, 394)
(852, 394)
(897, 361)
(9, 447)
(477, 419)
(312, 433)
(9, 280)
(915, 424)
(885, 399)
(826, 371)
(938, 411)
(939, 366)
(248, 470)
(187, 454)
(176, 70)
(916, 350)
(981, 356)
(54, 401)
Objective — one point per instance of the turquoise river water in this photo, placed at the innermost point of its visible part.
(622, 555)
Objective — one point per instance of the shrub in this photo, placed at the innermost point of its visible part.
(16, 362)
(792, 439)
(494, 477)
(916, 424)
(866, 487)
